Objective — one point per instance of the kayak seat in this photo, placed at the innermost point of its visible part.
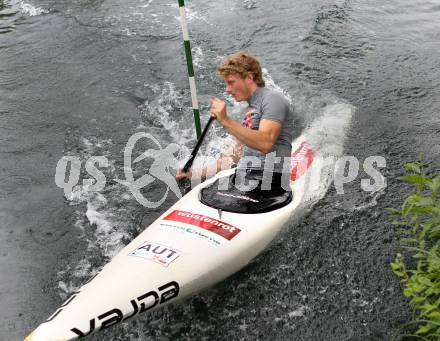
(227, 197)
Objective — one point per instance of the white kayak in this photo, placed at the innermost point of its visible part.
(187, 249)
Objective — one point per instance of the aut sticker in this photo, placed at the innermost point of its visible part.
(158, 253)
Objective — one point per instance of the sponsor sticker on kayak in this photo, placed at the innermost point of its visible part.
(193, 231)
(140, 304)
(301, 160)
(216, 226)
(158, 253)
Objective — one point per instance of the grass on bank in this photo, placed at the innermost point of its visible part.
(418, 266)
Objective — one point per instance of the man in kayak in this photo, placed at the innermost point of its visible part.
(264, 137)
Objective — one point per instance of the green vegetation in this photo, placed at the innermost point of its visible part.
(419, 267)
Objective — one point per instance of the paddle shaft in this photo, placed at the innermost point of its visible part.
(190, 161)
(190, 67)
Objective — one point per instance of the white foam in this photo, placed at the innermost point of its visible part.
(162, 109)
(327, 133)
(191, 14)
(270, 83)
(243, 326)
(66, 289)
(106, 218)
(298, 312)
(371, 203)
(198, 56)
(147, 4)
(109, 219)
(31, 10)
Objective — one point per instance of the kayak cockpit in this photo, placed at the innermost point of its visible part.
(226, 195)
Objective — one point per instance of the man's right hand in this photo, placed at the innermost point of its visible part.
(219, 111)
(181, 175)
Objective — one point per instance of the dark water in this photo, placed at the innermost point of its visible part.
(79, 78)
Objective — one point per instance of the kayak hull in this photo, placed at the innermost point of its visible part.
(187, 249)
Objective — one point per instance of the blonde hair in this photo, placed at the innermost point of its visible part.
(242, 63)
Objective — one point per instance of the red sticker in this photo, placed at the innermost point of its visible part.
(302, 158)
(219, 227)
(248, 120)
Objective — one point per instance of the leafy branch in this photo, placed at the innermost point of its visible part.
(419, 268)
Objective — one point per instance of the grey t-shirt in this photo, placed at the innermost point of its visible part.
(271, 105)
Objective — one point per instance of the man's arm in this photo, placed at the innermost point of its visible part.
(262, 139)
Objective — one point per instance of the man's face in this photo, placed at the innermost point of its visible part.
(240, 88)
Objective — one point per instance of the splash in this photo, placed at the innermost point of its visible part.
(103, 219)
(31, 10)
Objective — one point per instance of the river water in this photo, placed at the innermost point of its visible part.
(79, 78)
